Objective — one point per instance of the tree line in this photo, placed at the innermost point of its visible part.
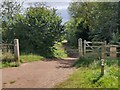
(95, 21)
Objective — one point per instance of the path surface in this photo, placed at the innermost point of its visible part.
(40, 74)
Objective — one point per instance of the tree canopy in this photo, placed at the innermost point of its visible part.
(99, 19)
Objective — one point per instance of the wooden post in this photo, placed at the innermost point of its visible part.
(102, 67)
(113, 51)
(84, 47)
(80, 47)
(16, 51)
(103, 58)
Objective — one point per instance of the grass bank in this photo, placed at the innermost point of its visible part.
(88, 74)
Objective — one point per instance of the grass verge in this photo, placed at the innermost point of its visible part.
(89, 78)
(88, 74)
(30, 58)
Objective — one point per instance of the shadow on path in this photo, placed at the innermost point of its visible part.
(66, 63)
(63, 63)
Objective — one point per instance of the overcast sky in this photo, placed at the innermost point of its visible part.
(62, 7)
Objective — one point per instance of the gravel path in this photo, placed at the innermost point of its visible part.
(40, 74)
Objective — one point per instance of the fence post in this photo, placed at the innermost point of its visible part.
(103, 57)
(84, 47)
(80, 47)
(16, 51)
(113, 51)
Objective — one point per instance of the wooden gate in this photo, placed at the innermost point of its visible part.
(101, 49)
(86, 47)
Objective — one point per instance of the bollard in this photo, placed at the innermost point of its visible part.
(16, 51)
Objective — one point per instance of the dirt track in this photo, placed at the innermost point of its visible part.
(40, 74)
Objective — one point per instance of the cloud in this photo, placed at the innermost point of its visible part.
(61, 7)
(48, 0)
(58, 5)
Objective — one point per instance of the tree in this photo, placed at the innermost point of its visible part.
(100, 17)
(9, 9)
(75, 29)
(37, 30)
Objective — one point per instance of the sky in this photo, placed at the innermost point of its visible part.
(60, 5)
(62, 8)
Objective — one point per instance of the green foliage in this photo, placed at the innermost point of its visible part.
(109, 62)
(59, 51)
(89, 60)
(7, 64)
(115, 38)
(92, 61)
(9, 9)
(88, 74)
(70, 29)
(30, 58)
(99, 18)
(89, 78)
(37, 30)
(75, 29)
